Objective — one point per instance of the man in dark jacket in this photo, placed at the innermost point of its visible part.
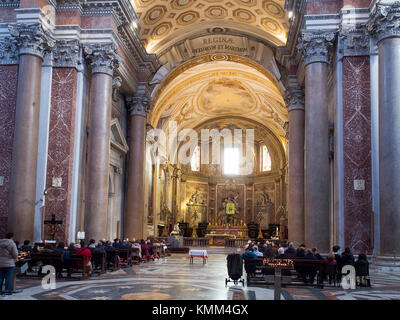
(26, 247)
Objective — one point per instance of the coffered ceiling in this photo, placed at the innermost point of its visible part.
(163, 22)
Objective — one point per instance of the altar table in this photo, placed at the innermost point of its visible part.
(199, 254)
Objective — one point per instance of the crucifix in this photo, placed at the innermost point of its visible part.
(53, 226)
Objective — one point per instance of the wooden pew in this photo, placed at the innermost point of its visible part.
(56, 260)
(124, 256)
(99, 259)
(299, 266)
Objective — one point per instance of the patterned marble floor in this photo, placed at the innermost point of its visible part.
(173, 278)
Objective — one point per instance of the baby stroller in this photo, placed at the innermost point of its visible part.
(235, 269)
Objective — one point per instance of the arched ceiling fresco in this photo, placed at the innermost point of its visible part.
(220, 89)
(162, 21)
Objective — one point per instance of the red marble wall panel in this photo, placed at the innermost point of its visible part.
(325, 7)
(8, 96)
(96, 22)
(68, 18)
(357, 3)
(7, 15)
(60, 152)
(357, 153)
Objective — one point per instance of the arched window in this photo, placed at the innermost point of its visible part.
(265, 159)
(231, 161)
(195, 160)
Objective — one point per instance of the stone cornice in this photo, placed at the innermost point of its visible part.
(140, 103)
(354, 41)
(385, 20)
(314, 45)
(102, 57)
(9, 3)
(67, 54)
(31, 39)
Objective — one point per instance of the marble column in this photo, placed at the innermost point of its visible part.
(103, 59)
(386, 24)
(295, 101)
(32, 42)
(315, 49)
(138, 106)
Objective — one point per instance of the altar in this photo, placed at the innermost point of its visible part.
(218, 239)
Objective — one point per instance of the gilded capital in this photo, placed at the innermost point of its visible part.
(31, 39)
(102, 57)
(385, 20)
(140, 103)
(314, 45)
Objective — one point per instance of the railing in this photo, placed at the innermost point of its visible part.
(235, 243)
(196, 242)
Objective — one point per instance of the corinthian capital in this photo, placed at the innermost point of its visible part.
(31, 38)
(385, 21)
(140, 103)
(67, 53)
(354, 40)
(102, 57)
(294, 98)
(314, 45)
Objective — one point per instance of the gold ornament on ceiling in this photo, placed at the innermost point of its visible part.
(244, 15)
(187, 18)
(169, 20)
(224, 96)
(216, 12)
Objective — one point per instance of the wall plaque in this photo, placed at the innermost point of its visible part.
(359, 184)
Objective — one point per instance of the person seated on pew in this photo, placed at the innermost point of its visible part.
(48, 248)
(136, 252)
(111, 256)
(258, 253)
(98, 249)
(250, 267)
(60, 249)
(347, 257)
(145, 250)
(92, 244)
(316, 254)
(36, 248)
(26, 247)
(301, 252)
(117, 244)
(84, 251)
(281, 254)
(310, 271)
(330, 265)
(291, 250)
(268, 250)
(362, 270)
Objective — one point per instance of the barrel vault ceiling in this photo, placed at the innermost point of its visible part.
(163, 22)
